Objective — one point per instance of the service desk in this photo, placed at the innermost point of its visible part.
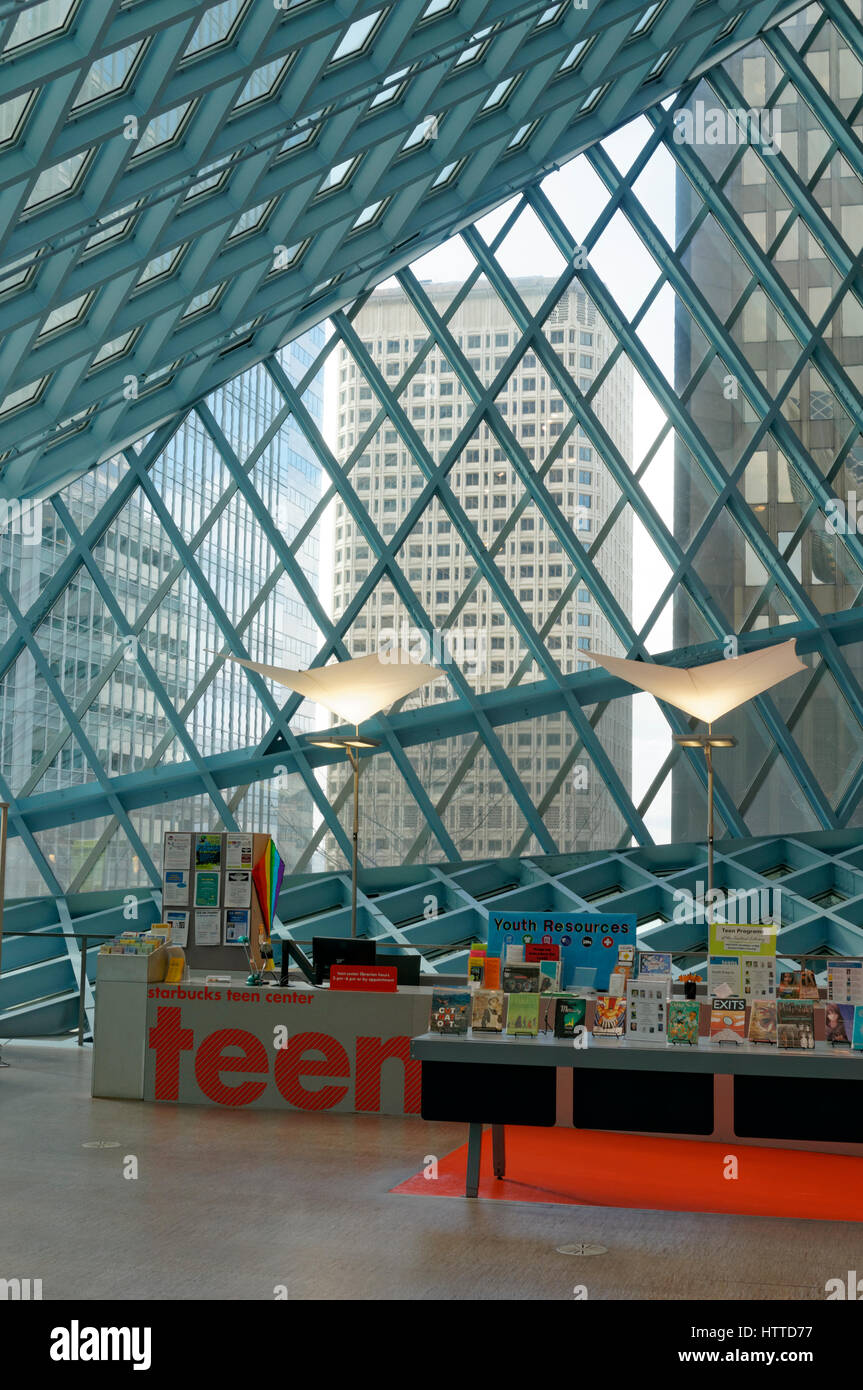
(745, 1093)
(237, 1045)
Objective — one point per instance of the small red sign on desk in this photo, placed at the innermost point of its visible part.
(381, 978)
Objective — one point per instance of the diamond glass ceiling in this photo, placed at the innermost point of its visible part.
(724, 281)
(719, 426)
(141, 134)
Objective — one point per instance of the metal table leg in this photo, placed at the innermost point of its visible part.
(474, 1149)
(498, 1150)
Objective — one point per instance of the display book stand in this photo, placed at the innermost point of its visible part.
(787, 1097)
(225, 956)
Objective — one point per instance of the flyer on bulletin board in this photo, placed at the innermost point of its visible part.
(206, 888)
(177, 851)
(236, 926)
(238, 851)
(175, 892)
(742, 938)
(179, 924)
(208, 851)
(588, 941)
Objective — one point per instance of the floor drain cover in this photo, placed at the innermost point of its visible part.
(582, 1247)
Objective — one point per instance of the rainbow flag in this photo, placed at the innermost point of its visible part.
(267, 877)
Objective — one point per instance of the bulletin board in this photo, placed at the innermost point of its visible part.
(209, 895)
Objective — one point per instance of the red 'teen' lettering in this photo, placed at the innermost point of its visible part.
(371, 1055)
(210, 1062)
(168, 1039)
(291, 1065)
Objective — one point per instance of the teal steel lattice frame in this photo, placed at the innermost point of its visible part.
(250, 321)
(651, 882)
(553, 108)
(80, 802)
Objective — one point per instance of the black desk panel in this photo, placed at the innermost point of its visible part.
(488, 1093)
(652, 1102)
(785, 1107)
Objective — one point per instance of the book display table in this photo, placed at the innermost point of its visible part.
(744, 1093)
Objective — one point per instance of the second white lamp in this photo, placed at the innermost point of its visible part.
(708, 692)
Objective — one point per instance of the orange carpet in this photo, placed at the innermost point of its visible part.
(595, 1168)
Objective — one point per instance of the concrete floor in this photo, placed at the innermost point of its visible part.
(229, 1206)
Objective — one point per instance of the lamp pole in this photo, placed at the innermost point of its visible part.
(355, 764)
(351, 746)
(708, 756)
(707, 742)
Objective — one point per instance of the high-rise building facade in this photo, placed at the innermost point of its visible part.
(727, 565)
(467, 785)
(96, 666)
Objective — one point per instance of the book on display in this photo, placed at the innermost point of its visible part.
(487, 1013)
(450, 1010)
(795, 1020)
(762, 1021)
(609, 1016)
(727, 1018)
(522, 1015)
(654, 964)
(570, 1015)
(521, 978)
(549, 976)
(683, 1018)
(838, 1023)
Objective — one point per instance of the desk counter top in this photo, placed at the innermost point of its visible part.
(622, 1054)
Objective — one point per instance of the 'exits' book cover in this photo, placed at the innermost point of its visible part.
(727, 1018)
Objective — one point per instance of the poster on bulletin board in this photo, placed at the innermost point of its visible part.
(590, 941)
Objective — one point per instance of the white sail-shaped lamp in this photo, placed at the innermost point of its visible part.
(352, 690)
(708, 692)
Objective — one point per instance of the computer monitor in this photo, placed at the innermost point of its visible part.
(408, 966)
(292, 952)
(340, 950)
